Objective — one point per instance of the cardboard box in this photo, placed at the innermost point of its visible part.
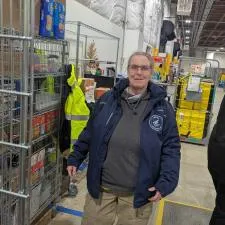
(37, 16)
(13, 11)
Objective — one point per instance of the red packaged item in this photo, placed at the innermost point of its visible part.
(48, 121)
(36, 127)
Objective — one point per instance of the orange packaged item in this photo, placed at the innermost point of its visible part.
(100, 91)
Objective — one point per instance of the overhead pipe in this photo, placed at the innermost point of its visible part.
(199, 15)
(195, 25)
(204, 17)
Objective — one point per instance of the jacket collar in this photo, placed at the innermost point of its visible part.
(156, 92)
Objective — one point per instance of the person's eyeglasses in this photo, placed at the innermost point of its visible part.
(143, 68)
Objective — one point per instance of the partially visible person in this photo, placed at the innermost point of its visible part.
(216, 165)
(76, 113)
(134, 149)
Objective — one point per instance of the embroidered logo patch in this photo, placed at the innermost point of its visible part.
(156, 122)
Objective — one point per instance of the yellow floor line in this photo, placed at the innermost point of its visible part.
(160, 210)
(190, 205)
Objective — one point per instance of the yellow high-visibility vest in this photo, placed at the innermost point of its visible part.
(76, 109)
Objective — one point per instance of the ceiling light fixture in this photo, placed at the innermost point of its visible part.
(187, 31)
(217, 50)
(222, 48)
(187, 21)
(187, 37)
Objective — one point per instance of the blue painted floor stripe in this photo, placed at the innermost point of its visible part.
(69, 211)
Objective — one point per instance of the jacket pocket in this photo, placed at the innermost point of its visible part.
(144, 211)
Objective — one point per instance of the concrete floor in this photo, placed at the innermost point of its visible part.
(195, 185)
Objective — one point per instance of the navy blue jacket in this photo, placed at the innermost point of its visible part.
(160, 145)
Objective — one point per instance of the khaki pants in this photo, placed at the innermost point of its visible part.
(110, 207)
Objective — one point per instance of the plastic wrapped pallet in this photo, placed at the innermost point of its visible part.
(103, 7)
(118, 12)
(135, 12)
(85, 2)
(152, 21)
(114, 10)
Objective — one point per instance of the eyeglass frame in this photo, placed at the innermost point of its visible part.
(144, 68)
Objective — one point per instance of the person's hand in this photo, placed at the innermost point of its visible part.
(157, 197)
(72, 170)
(66, 153)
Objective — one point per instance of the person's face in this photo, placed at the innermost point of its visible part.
(139, 72)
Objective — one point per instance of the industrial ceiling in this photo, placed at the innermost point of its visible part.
(205, 27)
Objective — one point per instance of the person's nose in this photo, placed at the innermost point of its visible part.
(139, 70)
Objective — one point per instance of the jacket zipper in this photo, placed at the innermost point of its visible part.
(109, 118)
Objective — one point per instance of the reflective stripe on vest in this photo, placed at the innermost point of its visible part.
(73, 141)
(77, 117)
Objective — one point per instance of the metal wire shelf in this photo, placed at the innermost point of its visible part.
(26, 61)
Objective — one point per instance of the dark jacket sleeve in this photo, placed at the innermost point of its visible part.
(220, 124)
(64, 135)
(170, 155)
(216, 147)
(81, 147)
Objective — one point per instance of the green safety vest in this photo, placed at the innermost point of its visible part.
(76, 109)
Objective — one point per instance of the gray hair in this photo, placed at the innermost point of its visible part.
(147, 55)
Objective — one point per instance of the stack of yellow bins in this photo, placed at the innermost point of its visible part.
(197, 124)
(206, 100)
(183, 103)
(183, 117)
(191, 123)
(192, 116)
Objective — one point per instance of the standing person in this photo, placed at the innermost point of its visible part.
(216, 165)
(134, 149)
